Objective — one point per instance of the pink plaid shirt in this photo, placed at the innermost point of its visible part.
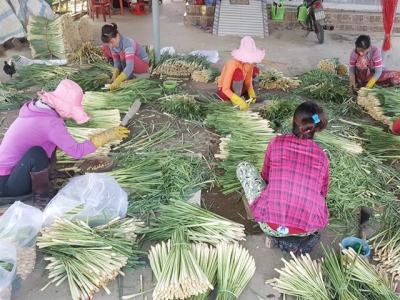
(297, 175)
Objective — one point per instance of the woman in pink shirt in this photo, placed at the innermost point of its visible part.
(288, 198)
(366, 68)
(27, 151)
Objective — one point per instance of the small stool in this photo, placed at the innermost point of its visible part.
(138, 8)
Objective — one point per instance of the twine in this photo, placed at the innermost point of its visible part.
(228, 291)
(178, 244)
(46, 29)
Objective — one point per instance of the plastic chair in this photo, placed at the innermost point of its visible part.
(138, 8)
(103, 6)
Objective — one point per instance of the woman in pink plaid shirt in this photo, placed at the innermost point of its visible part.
(288, 198)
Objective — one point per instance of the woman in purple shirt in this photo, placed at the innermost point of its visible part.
(288, 197)
(366, 68)
(27, 151)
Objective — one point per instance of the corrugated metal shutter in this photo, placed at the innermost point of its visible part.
(242, 19)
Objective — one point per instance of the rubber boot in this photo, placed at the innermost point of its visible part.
(237, 87)
(41, 188)
(53, 172)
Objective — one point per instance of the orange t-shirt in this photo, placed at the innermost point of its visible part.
(225, 80)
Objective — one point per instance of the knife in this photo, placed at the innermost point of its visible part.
(131, 113)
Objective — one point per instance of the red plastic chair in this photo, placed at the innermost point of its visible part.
(138, 8)
(103, 5)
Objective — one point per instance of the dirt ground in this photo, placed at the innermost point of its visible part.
(294, 53)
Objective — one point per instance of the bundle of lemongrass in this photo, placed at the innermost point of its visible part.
(184, 106)
(325, 86)
(26, 260)
(122, 99)
(45, 37)
(152, 59)
(301, 277)
(43, 73)
(246, 137)
(328, 65)
(178, 272)
(372, 184)
(376, 280)
(86, 54)
(180, 65)
(205, 75)
(342, 70)
(87, 257)
(200, 224)
(273, 80)
(12, 96)
(99, 119)
(205, 255)
(181, 176)
(382, 145)
(235, 269)
(380, 103)
(142, 175)
(386, 246)
(148, 137)
(333, 65)
(216, 80)
(337, 277)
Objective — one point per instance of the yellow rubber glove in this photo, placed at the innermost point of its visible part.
(370, 83)
(117, 82)
(252, 95)
(243, 105)
(116, 72)
(116, 133)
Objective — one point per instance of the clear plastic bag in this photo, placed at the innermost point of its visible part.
(101, 196)
(8, 267)
(20, 224)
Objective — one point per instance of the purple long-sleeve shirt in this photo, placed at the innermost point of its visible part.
(42, 127)
(297, 175)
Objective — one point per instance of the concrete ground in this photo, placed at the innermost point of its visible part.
(296, 54)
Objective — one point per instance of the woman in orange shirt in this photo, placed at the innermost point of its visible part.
(238, 73)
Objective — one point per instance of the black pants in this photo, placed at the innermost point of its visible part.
(18, 183)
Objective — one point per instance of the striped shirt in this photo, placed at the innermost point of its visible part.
(131, 49)
(375, 61)
(297, 175)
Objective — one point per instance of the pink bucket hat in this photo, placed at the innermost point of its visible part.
(67, 101)
(248, 52)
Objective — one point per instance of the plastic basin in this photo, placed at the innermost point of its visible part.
(354, 243)
(170, 84)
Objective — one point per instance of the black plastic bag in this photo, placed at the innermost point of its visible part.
(295, 244)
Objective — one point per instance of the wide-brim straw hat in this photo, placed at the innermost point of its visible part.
(248, 52)
(67, 101)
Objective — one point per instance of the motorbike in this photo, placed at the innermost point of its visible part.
(311, 17)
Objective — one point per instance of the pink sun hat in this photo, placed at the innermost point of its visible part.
(67, 101)
(248, 52)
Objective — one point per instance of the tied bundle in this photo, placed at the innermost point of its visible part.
(181, 276)
(205, 256)
(205, 75)
(180, 65)
(333, 65)
(274, 80)
(235, 269)
(57, 37)
(87, 257)
(382, 104)
(86, 54)
(386, 246)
